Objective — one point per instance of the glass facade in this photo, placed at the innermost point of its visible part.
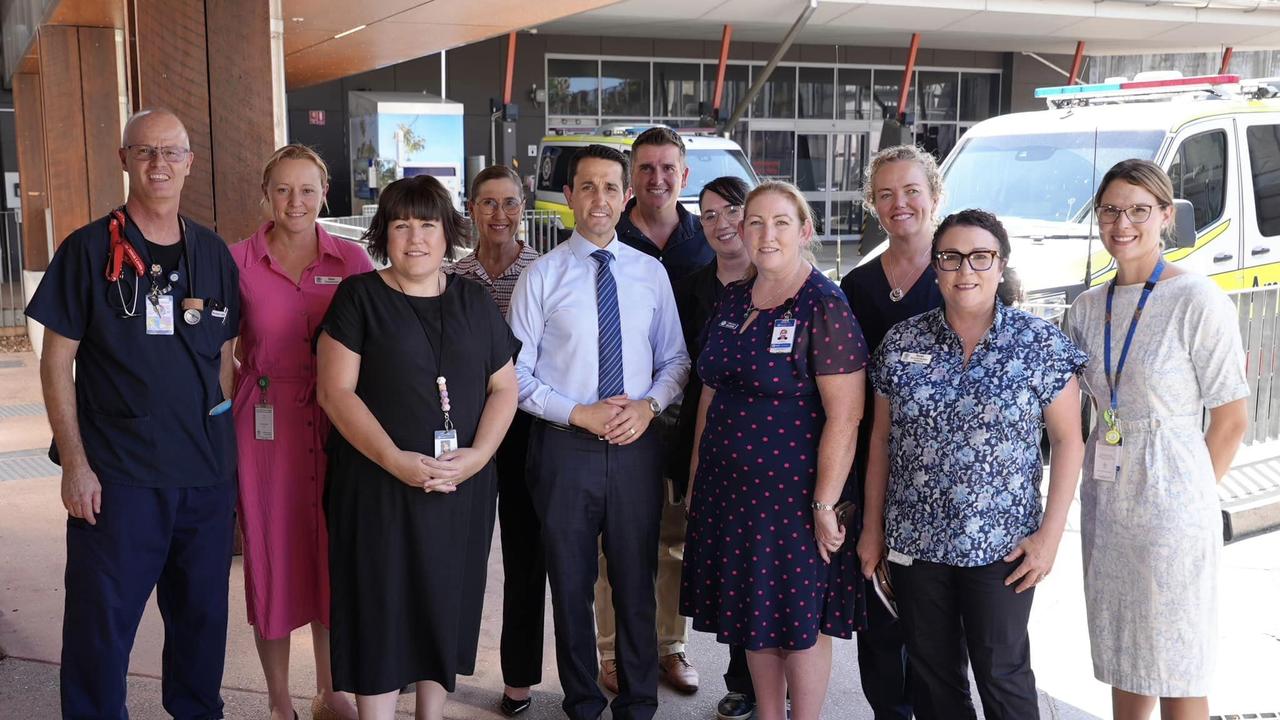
(812, 124)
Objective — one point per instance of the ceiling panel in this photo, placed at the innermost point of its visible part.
(1008, 23)
(910, 19)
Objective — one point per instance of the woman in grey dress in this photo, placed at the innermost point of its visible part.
(1150, 522)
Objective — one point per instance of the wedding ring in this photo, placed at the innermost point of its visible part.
(631, 431)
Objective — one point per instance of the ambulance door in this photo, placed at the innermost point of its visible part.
(1259, 140)
(1204, 169)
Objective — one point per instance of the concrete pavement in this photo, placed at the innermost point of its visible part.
(32, 559)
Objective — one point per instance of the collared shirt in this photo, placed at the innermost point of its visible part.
(143, 401)
(964, 441)
(501, 287)
(686, 250)
(554, 316)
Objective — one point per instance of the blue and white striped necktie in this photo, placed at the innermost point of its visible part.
(610, 327)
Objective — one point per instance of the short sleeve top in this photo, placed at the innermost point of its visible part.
(964, 439)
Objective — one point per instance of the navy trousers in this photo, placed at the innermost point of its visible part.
(177, 541)
(585, 490)
(882, 662)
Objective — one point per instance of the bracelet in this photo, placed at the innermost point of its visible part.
(821, 506)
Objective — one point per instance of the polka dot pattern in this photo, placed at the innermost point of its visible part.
(752, 574)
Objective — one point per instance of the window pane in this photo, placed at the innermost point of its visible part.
(772, 152)
(937, 139)
(624, 88)
(676, 89)
(1264, 162)
(817, 93)
(846, 217)
(819, 209)
(553, 169)
(847, 158)
(1198, 174)
(811, 162)
(777, 99)
(572, 87)
(888, 83)
(938, 92)
(736, 81)
(979, 96)
(853, 94)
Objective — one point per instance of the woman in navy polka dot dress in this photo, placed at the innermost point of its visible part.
(765, 564)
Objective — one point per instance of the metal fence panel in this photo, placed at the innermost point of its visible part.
(11, 298)
(540, 229)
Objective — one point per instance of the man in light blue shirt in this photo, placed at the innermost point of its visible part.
(602, 354)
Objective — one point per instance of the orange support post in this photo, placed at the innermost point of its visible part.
(724, 62)
(1226, 62)
(1075, 64)
(906, 76)
(511, 67)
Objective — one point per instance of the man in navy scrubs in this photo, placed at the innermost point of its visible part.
(135, 373)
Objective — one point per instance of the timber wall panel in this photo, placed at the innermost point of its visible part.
(101, 91)
(29, 122)
(64, 145)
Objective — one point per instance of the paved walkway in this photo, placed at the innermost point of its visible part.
(32, 559)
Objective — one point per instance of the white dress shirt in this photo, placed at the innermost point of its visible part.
(553, 313)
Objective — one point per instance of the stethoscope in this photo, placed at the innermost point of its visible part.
(122, 253)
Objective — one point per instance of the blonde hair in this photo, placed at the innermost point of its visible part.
(903, 153)
(296, 151)
(796, 198)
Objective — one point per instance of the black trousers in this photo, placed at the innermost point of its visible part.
(524, 582)
(738, 677)
(587, 491)
(952, 616)
(882, 662)
(177, 541)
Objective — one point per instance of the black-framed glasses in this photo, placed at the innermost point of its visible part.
(145, 153)
(510, 205)
(979, 260)
(732, 213)
(1137, 214)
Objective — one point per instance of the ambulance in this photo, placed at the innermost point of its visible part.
(707, 155)
(1217, 136)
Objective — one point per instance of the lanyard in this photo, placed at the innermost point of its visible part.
(1114, 383)
(438, 351)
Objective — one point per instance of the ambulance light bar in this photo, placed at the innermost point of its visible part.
(1135, 87)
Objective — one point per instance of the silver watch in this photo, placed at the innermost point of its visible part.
(821, 506)
(654, 406)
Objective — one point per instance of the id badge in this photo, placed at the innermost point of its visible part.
(160, 316)
(1106, 462)
(264, 422)
(784, 336)
(446, 441)
(898, 558)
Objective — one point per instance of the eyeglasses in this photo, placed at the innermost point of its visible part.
(732, 213)
(1137, 214)
(145, 153)
(509, 205)
(979, 260)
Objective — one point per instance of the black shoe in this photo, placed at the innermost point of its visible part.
(511, 707)
(735, 706)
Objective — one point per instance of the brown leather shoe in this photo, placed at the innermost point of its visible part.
(678, 673)
(609, 675)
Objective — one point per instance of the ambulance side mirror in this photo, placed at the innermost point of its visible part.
(1184, 224)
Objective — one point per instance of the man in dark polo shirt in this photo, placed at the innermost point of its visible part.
(655, 223)
(141, 310)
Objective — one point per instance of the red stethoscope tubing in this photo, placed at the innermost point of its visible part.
(121, 251)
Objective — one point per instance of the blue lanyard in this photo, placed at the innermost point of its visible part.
(1150, 285)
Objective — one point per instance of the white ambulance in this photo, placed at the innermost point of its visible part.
(1217, 136)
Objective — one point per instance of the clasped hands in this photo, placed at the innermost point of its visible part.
(618, 419)
(440, 474)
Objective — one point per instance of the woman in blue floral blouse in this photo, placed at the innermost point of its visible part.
(954, 472)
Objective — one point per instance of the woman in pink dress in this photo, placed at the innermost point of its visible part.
(289, 270)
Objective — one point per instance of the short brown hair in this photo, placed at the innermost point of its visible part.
(495, 172)
(600, 152)
(421, 197)
(1146, 175)
(659, 135)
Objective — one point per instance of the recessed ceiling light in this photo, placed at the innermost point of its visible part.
(297, 19)
(345, 33)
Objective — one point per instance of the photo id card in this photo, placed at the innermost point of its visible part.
(784, 336)
(446, 442)
(160, 316)
(264, 422)
(1106, 462)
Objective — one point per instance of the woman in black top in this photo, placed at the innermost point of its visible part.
(697, 295)
(903, 190)
(415, 372)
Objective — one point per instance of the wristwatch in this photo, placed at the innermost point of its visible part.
(821, 506)
(654, 406)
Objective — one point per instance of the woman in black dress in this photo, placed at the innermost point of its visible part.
(415, 372)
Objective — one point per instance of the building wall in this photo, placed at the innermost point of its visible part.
(476, 73)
